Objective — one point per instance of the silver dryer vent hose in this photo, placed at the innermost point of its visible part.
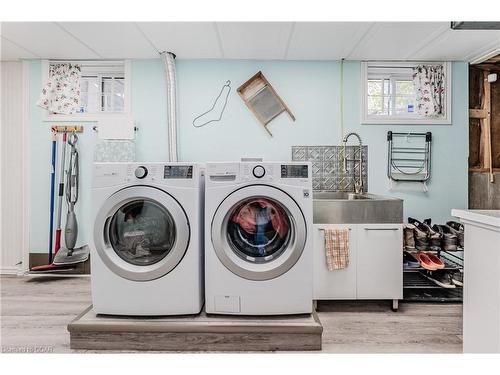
(169, 61)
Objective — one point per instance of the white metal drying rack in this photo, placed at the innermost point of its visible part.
(411, 161)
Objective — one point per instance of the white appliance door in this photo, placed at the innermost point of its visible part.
(258, 232)
(141, 233)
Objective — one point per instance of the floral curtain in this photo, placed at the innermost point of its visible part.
(61, 94)
(430, 89)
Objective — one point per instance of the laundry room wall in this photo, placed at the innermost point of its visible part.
(310, 88)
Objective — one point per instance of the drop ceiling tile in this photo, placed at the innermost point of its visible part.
(245, 40)
(325, 40)
(188, 40)
(47, 40)
(112, 39)
(254, 40)
(11, 51)
(396, 40)
(460, 45)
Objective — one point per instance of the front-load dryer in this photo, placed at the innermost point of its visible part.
(147, 249)
(258, 244)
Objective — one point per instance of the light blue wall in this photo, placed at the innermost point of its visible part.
(311, 90)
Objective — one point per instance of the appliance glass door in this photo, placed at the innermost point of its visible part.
(259, 229)
(141, 233)
(259, 232)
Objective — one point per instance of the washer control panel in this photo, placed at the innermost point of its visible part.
(164, 174)
(141, 172)
(259, 171)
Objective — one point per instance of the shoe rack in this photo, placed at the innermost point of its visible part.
(417, 287)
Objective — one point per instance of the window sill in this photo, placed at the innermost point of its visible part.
(404, 121)
(84, 117)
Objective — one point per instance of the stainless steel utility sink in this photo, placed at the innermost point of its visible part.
(351, 208)
(340, 195)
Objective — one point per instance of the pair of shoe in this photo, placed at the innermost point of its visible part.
(429, 261)
(452, 234)
(424, 237)
(446, 279)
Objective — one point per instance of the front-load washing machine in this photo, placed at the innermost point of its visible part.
(258, 244)
(147, 250)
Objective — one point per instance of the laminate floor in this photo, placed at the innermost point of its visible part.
(36, 311)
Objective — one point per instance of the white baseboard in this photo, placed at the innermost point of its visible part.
(10, 270)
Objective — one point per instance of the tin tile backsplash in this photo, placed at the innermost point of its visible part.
(328, 168)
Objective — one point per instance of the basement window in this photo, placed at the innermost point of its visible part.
(104, 90)
(390, 95)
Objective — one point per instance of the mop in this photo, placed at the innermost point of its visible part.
(70, 255)
(59, 195)
(51, 267)
(52, 192)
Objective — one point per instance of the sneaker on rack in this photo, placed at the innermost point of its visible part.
(441, 278)
(410, 261)
(458, 229)
(457, 278)
(449, 237)
(434, 236)
(420, 234)
(408, 237)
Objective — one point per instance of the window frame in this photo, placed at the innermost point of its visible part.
(403, 120)
(91, 117)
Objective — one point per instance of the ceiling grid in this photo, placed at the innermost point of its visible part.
(246, 40)
(78, 39)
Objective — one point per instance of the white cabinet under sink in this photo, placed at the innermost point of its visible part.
(375, 268)
(338, 284)
(380, 261)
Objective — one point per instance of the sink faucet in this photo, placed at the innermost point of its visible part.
(358, 186)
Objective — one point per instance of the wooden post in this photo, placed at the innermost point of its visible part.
(487, 120)
(484, 116)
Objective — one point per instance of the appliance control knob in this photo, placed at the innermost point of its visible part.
(141, 172)
(259, 171)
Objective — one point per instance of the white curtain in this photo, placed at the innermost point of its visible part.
(61, 94)
(429, 82)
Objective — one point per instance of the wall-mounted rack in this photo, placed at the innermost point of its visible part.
(67, 129)
(409, 156)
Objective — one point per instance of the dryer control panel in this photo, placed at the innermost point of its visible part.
(291, 173)
(259, 172)
(294, 171)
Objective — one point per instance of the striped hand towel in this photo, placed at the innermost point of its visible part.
(337, 248)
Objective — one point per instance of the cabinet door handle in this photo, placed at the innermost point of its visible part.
(381, 228)
(323, 229)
